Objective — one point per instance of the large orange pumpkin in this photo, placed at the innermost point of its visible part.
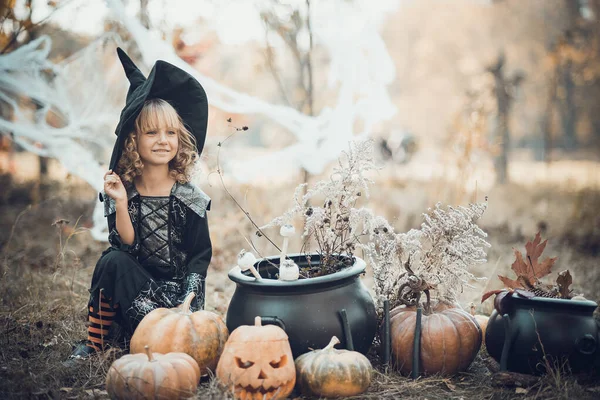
(333, 373)
(153, 376)
(450, 339)
(257, 363)
(201, 334)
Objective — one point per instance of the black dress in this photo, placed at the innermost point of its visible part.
(168, 259)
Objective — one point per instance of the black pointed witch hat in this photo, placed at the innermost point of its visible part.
(166, 82)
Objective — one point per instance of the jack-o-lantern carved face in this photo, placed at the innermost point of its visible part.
(257, 363)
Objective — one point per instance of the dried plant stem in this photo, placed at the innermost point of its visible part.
(246, 213)
(12, 232)
(553, 370)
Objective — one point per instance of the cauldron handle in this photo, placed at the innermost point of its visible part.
(273, 321)
(598, 352)
(416, 358)
(386, 333)
(586, 344)
(346, 329)
(508, 341)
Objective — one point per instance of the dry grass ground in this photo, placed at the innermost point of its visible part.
(46, 267)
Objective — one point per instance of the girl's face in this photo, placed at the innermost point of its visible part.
(157, 133)
(158, 146)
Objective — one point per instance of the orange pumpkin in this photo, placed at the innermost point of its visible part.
(482, 320)
(450, 339)
(153, 376)
(333, 373)
(257, 363)
(201, 334)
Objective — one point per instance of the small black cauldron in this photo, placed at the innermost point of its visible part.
(563, 330)
(310, 310)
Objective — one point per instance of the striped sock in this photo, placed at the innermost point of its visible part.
(99, 323)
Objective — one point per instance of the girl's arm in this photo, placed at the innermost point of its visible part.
(201, 249)
(123, 223)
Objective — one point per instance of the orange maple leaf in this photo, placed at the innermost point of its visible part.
(529, 271)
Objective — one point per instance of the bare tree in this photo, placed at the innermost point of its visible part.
(16, 31)
(290, 32)
(566, 97)
(144, 16)
(575, 79)
(504, 88)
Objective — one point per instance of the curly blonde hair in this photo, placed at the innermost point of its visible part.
(155, 114)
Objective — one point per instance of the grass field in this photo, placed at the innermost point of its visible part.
(46, 268)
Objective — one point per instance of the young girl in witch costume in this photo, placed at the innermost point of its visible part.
(160, 247)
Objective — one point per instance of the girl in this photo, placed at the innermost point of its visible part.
(160, 247)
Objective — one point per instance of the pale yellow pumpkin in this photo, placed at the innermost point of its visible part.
(153, 376)
(257, 363)
(201, 334)
(333, 373)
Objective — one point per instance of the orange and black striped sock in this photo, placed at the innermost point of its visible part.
(99, 323)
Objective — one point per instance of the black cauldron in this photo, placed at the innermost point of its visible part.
(310, 310)
(563, 330)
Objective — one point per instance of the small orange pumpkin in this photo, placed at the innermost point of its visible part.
(201, 334)
(482, 320)
(450, 339)
(257, 363)
(153, 376)
(333, 373)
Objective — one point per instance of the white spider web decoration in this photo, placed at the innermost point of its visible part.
(87, 93)
(83, 95)
(360, 67)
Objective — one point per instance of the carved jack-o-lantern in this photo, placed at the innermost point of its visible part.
(257, 363)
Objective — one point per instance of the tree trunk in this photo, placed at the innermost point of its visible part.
(546, 125)
(501, 134)
(144, 17)
(568, 109)
(501, 160)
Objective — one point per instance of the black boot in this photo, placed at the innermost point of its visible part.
(81, 352)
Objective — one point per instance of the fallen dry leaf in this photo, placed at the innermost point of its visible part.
(534, 251)
(490, 294)
(450, 385)
(563, 281)
(521, 269)
(529, 270)
(51, 342)
(96, 392)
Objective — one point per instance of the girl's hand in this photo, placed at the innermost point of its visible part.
(114, 188)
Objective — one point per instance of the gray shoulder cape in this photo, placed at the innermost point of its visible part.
(189, 194)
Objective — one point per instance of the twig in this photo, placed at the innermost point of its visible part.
(310, 88)
(32, 27)
(515, 379)
(269, 56)
(220, 173)
(12, 232)
(554, 371)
